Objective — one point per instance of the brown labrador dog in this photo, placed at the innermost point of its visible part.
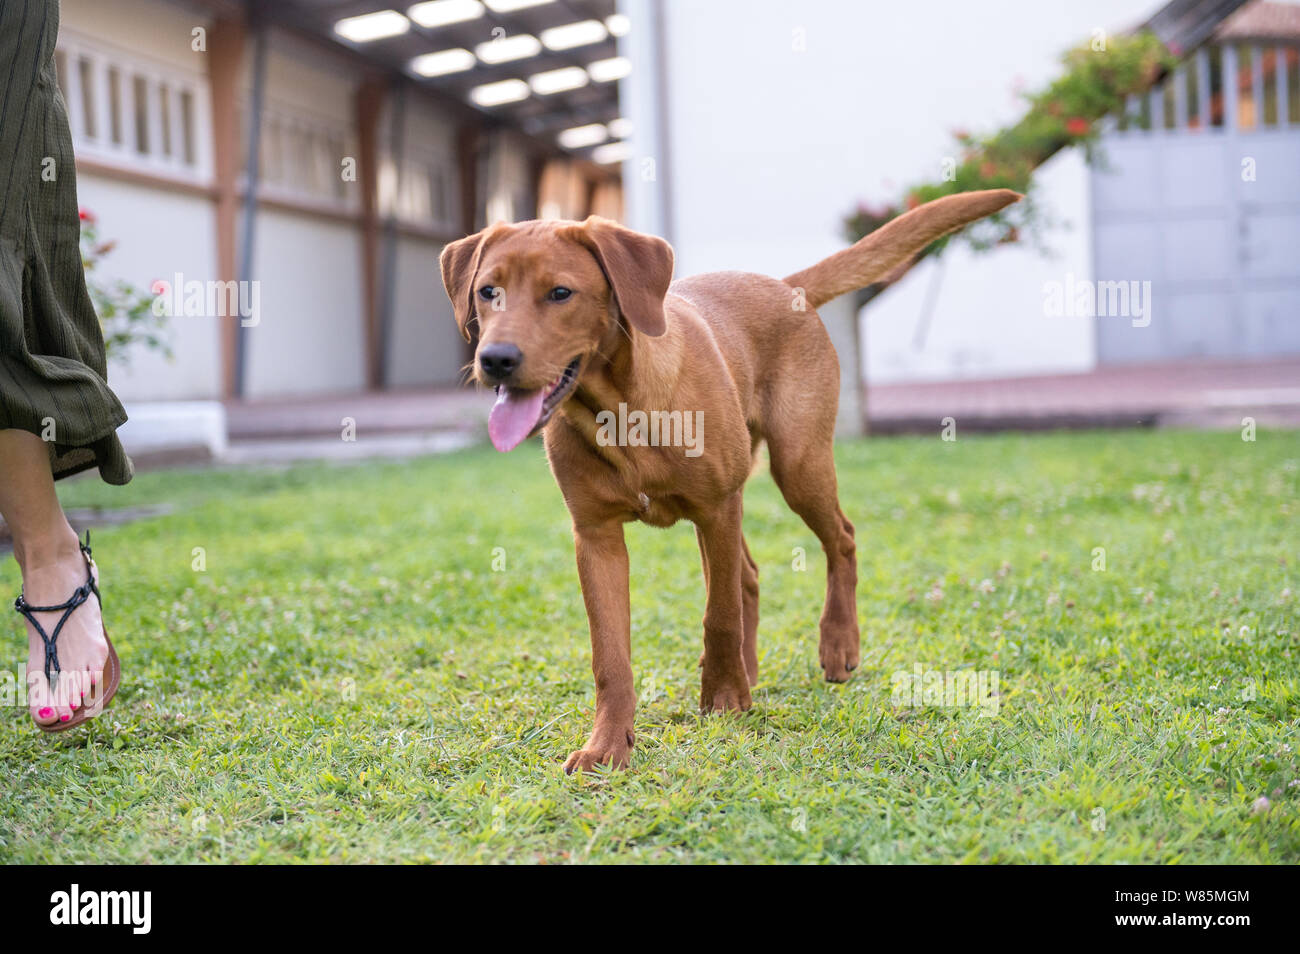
(581, 327)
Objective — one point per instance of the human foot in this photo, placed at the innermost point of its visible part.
(55, 574)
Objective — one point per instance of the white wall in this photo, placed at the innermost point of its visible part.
(424, 346)
(310, 338)
(157, 232)
(159, 30)
(150, 245)
(311, 335)
(770, 147)
(986, 314)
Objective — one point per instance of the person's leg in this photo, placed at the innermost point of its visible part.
(46, 549)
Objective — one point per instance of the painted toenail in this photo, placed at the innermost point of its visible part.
(64, 718)
(46, 712)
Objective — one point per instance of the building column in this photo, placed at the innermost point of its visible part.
(252, 188)
(645, 97)
(468, 139)
(841, 319)
(369, 103)
(227, 38)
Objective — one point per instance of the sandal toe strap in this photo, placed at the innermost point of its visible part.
(67, 607)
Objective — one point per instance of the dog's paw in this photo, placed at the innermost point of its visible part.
(725, 695)
(614, 751)
(839, 660)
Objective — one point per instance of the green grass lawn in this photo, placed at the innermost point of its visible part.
(349, 679)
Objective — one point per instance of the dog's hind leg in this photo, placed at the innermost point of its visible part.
(724, 679)
(749, 604)
(803, 466)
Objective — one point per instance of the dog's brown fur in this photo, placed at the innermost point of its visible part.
(748, 351)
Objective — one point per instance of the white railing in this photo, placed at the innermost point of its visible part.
(422, 190)
(1241, 86)
(302, 157)
(127, 111)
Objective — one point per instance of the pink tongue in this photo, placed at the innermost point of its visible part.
(514, 416)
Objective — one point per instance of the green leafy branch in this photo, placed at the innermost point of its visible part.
(1099, 77)
(126, 314)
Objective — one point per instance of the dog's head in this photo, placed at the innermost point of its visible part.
(547, 296)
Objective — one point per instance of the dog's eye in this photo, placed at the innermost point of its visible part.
(487, 292)
(559, 293)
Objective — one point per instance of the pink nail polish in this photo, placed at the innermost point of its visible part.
(64, 718)
(46, 712)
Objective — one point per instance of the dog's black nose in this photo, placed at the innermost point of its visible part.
(499, 361)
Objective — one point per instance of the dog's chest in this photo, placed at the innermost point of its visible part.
(649, 487)
(660, 511)
(657, 484)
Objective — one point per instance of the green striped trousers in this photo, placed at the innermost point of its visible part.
(53, 376)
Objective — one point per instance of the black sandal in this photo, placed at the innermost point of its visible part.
(106, 688)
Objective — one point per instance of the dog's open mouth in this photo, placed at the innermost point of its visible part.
(520, 413)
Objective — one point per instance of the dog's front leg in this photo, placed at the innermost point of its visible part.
(724, 683)
(603, 573)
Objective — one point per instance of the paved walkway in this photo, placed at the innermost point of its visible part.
(405, 410)
(1192, 394)
(343, 427)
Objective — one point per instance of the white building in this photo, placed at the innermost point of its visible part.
(366, 168)
(756, 126)
(768, 121)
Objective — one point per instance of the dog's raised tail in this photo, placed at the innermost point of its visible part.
(873, 257)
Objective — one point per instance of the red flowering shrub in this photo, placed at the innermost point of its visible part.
(1094, 85)
(126, 314)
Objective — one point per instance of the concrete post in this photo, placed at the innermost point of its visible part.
(841, 320)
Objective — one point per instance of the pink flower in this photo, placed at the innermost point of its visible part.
(86, 215)
(1077, 126)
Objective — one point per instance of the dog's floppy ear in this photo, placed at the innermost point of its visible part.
(459, 261)
(639, 269)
